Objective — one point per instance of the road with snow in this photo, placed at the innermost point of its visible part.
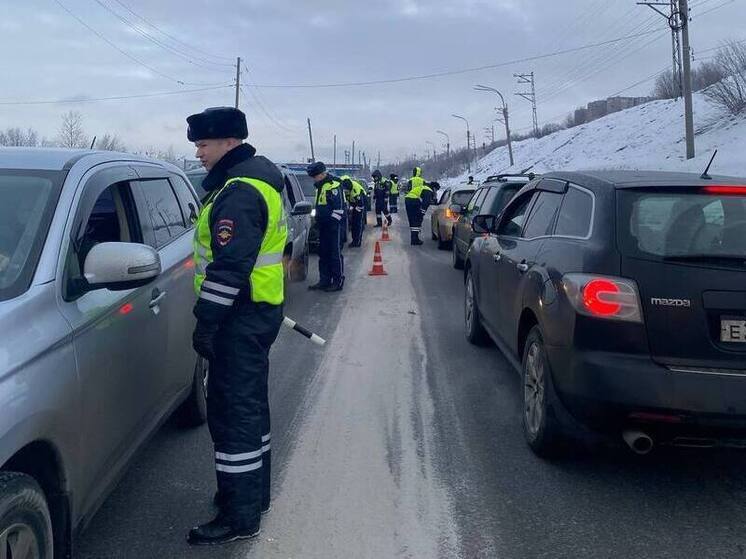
(400, 440)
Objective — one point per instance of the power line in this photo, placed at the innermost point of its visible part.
(174, 39)
(113, 97)
(452, 72)
(257, 96)
(181, 54)
(124, 52)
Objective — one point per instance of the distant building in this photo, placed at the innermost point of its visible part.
(616, 104)
(597, 109)
(581, 115)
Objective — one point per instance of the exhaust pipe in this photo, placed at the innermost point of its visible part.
(639, 442)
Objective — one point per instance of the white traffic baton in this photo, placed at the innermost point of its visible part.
(290, 323)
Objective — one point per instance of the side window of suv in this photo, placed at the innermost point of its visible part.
(512, 222)
(543, 215)
(473, 200)
(166, 219)
(575, 214)
(478, 201)
(189, 205)
(289, 192)
(113, 219)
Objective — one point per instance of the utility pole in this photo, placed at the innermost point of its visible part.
(687, 63)
(448, 142)
(378, 165)
(238, 78)
(335, 150)
(505, 118)
(678, 21)
(674, 22)
(529, 96)
(310, 137)
(347, 157)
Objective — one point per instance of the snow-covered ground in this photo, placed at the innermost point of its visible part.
(647, 137)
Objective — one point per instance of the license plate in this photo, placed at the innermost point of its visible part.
(733, 331)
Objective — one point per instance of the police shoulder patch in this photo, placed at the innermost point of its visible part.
(225, 231)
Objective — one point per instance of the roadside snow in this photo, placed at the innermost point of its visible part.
(647, 137)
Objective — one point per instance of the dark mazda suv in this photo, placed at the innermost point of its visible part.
(621, 299)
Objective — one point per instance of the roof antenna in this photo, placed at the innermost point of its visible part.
(704, 175)
(93, 142)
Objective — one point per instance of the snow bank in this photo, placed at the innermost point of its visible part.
(647, 137)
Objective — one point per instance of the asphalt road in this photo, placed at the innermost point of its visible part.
(399, 439)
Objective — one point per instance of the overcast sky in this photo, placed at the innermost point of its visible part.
(48, 55)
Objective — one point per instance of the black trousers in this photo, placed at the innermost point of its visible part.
(331, 265)
(394, 203)
(356, 225)
(238, 410)
(382, 206)
(414, 214)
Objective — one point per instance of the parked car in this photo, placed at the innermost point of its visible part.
(443, 217)
(298, 211)
(96, 295)
(490, 199)
(621, 299)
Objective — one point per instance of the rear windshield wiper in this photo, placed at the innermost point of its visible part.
(729, 258)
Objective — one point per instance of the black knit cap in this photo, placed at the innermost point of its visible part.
(217, 123)
(315, 169)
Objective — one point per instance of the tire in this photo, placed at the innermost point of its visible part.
(298, 267)
(193, 412)
(456, 261)
(443, 245)
(540, 424)
(25, 523)
(433, 229)
(475, 332)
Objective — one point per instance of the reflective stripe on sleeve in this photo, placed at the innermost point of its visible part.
(216, 299)
(220, 287)
(269, 259)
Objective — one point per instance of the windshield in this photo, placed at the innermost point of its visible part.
(27, 200)
(306, 183)
(680, 224)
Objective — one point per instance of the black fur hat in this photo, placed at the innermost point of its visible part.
(217, 123)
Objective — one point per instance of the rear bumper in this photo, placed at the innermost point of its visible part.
(614, 391)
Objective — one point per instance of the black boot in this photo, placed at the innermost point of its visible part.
(220, 530)
(379, 222)
(318, 286)
(389, 220)
(416, 238)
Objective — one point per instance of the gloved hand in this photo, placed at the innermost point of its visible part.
(203, 339)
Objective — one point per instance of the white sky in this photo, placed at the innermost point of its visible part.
(48, 55)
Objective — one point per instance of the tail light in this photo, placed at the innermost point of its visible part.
(603, 297)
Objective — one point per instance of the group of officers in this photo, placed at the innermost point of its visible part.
(240, 235)
(341, 205)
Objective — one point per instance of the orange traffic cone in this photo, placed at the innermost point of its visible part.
(385, 232)
(377, 263)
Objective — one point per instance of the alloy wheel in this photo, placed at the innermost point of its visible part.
(534, 389)
(469, 304)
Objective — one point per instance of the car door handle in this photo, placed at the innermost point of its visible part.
(157, 298)
(497, 256)
(522, 267)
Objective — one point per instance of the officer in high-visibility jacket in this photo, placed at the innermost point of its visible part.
(394, 197)
(381, 196)
(355, 194)
(417, 200)
(330, 209)
(240, 236)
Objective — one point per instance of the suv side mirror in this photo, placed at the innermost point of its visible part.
(484, 224)
(121, 266)
(302, 208)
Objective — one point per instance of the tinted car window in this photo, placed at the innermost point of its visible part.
(444, 196)
(306, 183)
(512, 223)
(661, 224)
(473, 199)
(289, 193)
(478, 200)
(543, 215)
(575, 214)
(164, 211)
(196, 178)
(186, 198)
(461, 197)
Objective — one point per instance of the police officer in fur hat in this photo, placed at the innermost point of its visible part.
(240, 236)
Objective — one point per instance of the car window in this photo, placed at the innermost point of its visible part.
(27, 201)
(575, 214)
(189, 205)
(444, 196)
(503, 198)
(196, 178)
(461, 197)
(162, 207)
(289, 193)
(473, 200)
(512, 222)
(543, 215)
(306, 184)
(113, 219)
(477, 201)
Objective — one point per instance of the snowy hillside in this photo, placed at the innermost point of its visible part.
(649, 137)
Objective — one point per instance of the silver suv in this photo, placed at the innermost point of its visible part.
(96, 304)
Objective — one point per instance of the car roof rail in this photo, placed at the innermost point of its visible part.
(505, 176)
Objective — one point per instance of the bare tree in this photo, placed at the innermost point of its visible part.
(111, 142)
(730, 93)
(17, 137)
(71, 133)
(666, 86)
(707, 74)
